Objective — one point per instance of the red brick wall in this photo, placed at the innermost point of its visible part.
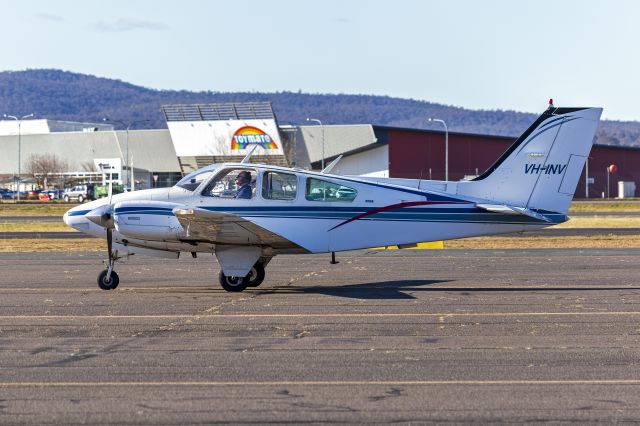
(420, 154)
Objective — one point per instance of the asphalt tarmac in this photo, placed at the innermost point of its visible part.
(478, 336)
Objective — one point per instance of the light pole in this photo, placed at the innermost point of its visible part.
(586, 179)
(19, 120)
(126, 159)
(315, 120)
(446, 147)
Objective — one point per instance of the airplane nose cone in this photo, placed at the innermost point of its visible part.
(102, 216)
(75, 219)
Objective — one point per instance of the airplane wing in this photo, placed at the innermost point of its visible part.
(226, 228)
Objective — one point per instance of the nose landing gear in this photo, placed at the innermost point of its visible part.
(108, 279)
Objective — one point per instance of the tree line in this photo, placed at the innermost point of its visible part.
(63, 95)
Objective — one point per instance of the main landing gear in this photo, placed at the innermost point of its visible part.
(108, 279)
(253, 279)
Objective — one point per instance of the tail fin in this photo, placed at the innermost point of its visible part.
(542, 167)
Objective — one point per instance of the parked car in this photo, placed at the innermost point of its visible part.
(23, 195)
(33, 194)
(55, 194)
(78, 192)
(6, 194)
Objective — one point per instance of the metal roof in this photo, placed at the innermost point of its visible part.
(338, 139)
(220, 111)
(150, 150)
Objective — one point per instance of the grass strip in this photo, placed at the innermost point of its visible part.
(35, 227)
(34, 209)
(26, 245)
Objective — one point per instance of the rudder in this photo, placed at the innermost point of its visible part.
(541, 169)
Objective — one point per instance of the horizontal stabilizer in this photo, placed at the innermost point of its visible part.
(503, 208)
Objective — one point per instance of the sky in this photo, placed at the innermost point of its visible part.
(490, 54)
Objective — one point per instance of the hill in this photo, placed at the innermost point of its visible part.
(64, 95)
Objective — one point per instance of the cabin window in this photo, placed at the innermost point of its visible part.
(232, 183)
(321, 190)
(279, 186)
(193, 180)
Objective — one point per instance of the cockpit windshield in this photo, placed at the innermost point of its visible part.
(193, 180)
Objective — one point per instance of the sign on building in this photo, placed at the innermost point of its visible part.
(223, 129)
(111, 168)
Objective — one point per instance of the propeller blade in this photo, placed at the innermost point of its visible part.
(110, 190)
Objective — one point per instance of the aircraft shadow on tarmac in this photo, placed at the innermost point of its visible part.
(399, 289)
(373, 291)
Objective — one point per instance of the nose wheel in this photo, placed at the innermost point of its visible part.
(108, 279)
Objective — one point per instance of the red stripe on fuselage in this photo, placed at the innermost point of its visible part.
(394, 207)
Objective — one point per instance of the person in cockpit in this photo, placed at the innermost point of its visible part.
(243, 180)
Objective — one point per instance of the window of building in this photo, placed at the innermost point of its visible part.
(321, 190)
(163, 179)
(279, 186)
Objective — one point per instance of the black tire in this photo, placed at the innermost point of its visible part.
(256, 275)
(80, 199)
(108, 285)
(66, 198)
(234, 284)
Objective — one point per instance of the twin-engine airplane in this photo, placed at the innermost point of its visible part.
(248, 213)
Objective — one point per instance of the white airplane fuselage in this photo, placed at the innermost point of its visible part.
(381, 214)
(247, 213)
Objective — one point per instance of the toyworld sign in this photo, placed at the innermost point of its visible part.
(225, 137)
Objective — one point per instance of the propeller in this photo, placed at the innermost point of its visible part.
(103, 216)
(110, 190)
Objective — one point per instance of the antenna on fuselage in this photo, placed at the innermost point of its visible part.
(248, 156)
(331, 165)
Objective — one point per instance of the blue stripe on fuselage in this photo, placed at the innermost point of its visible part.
(428, 214)
(78, 212)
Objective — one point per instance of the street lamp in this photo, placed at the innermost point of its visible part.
(19, 120)
(315, 120)
(126, 160)
(446, 147)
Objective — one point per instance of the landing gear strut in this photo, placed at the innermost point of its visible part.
(108, 279)
(253, 279)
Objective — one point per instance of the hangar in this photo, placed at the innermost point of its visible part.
(198, 135)
(420, 154)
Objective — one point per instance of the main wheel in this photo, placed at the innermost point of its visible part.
(66, 198)
(110, 284)
(256, 275)
(80, 199)
(231, 283)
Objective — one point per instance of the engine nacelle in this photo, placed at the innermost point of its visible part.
(147, 220)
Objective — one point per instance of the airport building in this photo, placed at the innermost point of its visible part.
(198, 135)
